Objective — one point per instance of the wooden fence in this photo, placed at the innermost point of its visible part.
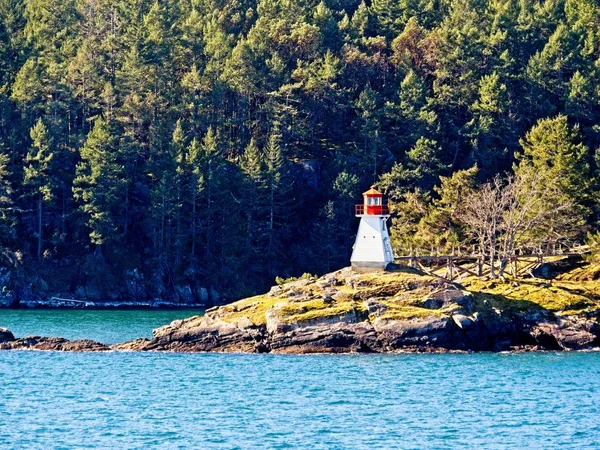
(460, 264)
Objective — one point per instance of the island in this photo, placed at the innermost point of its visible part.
(400, 309)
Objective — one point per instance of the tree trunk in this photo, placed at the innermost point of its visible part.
(39, 242)
(126, 209)
(193, 225)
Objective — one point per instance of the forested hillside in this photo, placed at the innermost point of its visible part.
(224, 142)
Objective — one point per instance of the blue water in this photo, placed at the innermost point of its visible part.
(180, 401)
(106, 326)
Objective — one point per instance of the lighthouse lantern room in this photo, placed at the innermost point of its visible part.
(372, 249)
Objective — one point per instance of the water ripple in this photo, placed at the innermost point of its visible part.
(131, 400)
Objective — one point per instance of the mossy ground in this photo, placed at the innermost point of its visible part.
(398, 311)
(253, 308)
(558, 297)
(318, 309)
(401, 295)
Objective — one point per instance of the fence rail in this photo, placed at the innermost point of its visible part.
(460, 264)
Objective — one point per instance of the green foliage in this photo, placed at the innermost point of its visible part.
(553, 153)
(7, 219)
(593, 241)
(305, 276)
(226, 142)
(37, 175)
(98, 185)
(38, 159)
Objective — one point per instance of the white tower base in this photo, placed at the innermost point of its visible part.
(372, 249)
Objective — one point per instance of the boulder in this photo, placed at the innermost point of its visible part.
(565, 335)
(462, 321)
(6, 335)
(202, 294)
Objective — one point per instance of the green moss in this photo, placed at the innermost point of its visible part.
(558, 297)
(318, 309)
(403, 293)
(253, 308)
(394, 284)
(399, 312)
(314, 314)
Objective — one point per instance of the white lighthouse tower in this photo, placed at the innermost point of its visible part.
(372, 249)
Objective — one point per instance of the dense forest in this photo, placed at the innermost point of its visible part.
(221, 143)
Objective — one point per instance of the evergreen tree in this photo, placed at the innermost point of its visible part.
(6, 205)
(553, 154)
(37, 176)
(99, 185)
(487, 129)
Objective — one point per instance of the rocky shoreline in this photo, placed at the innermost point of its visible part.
(401, 310)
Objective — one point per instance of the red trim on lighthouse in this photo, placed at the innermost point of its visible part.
(373, 204)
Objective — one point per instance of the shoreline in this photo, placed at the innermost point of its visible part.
(400, 310)
(60, 345)
(101, 307)
(69, 304)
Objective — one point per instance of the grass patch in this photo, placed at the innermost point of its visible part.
(403, 312)
(557, 297)
(318, 309)
(254, 308)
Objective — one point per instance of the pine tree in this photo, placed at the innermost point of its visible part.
(369, 112)
(99, 185)
(487, 129)
(277, 212)
(37, 176)
(7, 219)
(553, 154)
(253, 167)
(193, 181)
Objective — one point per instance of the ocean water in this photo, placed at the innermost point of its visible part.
(106, 326)
(229, 401)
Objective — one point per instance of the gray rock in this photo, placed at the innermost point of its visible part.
(135, 284)
(433, 303)
(565, 335)
(340, 337)
(374, 307)
(215, 297)
(6, 335)
(462, 321)
(275, 291)
(53, 344)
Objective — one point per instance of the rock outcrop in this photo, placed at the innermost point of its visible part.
(392, 311)
(398, 310)
(49, 343)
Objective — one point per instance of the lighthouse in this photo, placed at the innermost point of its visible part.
(372, 249)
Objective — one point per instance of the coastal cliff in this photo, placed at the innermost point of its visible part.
(398, 310)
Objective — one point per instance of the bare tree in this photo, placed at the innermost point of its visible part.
(511, 213)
